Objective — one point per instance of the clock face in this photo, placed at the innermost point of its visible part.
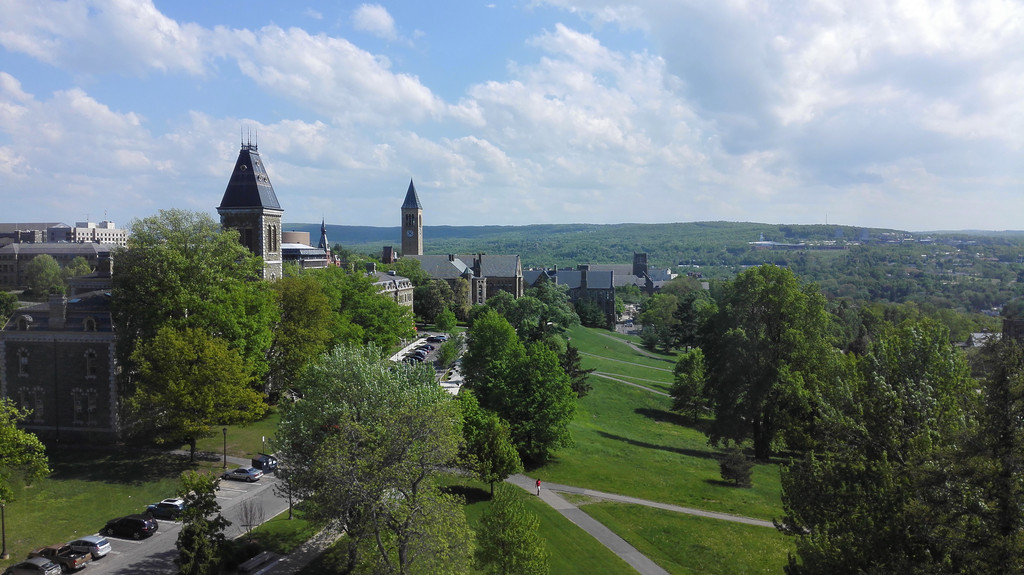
(408, 233)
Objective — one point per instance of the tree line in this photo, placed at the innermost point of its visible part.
(895, 458)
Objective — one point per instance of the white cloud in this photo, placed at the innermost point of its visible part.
(376, 20)
(101, 36)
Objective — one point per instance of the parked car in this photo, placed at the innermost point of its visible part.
(426, 347)
(249, 474)
(34, 566)
(63, 555)
(134, 526)
(167, 509)
(265, 463)
(419, 353)
(95, 545)
(437, 338)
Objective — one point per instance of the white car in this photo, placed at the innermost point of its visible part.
(97, 545)
(249, 474)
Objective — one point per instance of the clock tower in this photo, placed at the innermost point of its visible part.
(250, 206)
(412, 224)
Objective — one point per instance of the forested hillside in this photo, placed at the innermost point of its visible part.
(973, 272)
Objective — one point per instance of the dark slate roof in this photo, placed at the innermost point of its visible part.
(324, 244)
(57, 248)
(412, 201)
(573, 278)
(95, 305)
(249, 186)
(442, 267)
(495, 265)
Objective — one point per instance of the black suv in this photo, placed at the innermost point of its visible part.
(134, 526)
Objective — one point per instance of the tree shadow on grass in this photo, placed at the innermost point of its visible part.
(645, 445)
(470, 494)
(123, 466)
(701, 424)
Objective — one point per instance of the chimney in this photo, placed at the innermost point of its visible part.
(371, 267)
(105, 265)
(58, 311)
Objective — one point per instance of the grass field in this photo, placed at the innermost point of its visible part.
(686, 544)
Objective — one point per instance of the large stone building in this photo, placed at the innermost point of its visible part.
(14, 258)
(487, 274)
(250, 206)
(57, 359)
(583, 283)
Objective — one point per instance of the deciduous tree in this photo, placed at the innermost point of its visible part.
(181, 270)
(44, 276)
(302, 332)
(766, 355)
(20, 450)
(489, 451)
(859, 501)
(188, 382)
(364, 448)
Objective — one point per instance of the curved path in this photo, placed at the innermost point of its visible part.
(643, 387)
(626, 362)
(618, 545)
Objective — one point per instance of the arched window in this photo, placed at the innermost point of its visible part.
(23, 323)
(90, 364)
(23, 362)
(90, 324)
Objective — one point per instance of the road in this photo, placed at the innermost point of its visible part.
(157, 553)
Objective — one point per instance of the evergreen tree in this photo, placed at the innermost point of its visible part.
(573, 368)
(201, 539)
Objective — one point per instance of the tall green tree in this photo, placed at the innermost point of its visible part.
(860, 500)
(188, 382)
(509, 539)
(766, 354)
(20, 451)
(688, 388)
(572, 365)
(364, 448)
(489, 450)
(525, 385)
(181, 270)
(44, 276)
(445, 321)
(201, 539)
(302, 333)
(362, 314)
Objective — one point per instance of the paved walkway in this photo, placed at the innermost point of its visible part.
(619, 546)
(643, 387)
(605, 536)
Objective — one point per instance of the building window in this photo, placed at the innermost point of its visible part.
(90, 324)
(78, 401)
(32, 398)
(90, 364)
(23, 322)
(23, 362)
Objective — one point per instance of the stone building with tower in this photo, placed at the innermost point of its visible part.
(412, 223)
(487, 274)
(250, 206)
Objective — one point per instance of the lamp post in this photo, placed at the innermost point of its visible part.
(3, 531)
(225, 430)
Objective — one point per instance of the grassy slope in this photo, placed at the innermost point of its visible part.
(628, 442)
(685, 544)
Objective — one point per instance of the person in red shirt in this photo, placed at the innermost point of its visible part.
(538, 486)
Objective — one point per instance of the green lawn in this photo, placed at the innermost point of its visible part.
(103, 484)
(244, 440)
(686, 544)
(628, 442)
(86, 489)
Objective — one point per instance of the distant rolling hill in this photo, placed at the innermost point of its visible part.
(571, 244)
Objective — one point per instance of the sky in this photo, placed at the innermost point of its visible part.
(905, 114)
